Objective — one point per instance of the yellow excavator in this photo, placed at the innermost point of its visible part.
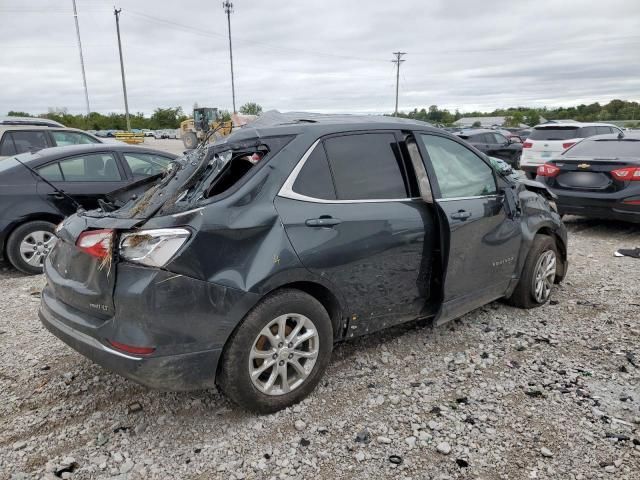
(193, 130)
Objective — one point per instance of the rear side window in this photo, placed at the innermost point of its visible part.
(51, 172)
(22, 141)
(459, 171)
(314, 180)
(604, 130)
(587, 132)
(97, 167)
(554, 133)
(366, 167)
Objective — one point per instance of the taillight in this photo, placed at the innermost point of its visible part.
(527, 145)
(627, 174)
(568, 144)
(547, 170)
(96, 243)
(132, 349)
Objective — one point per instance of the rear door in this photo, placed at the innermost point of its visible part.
(352, 213)
(86, 178)
(483, 242)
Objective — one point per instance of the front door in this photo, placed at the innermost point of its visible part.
(351, 218)
(483, 241)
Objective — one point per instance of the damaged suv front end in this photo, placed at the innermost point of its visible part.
(115, 274)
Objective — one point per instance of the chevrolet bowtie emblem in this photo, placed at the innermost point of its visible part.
(584, 165)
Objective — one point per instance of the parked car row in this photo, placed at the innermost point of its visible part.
(164, 133)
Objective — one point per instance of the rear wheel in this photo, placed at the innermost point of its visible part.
(29, 245)
(278, 354)
(538, 274)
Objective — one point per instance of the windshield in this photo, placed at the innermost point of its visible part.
(553, 133)
(606, 148)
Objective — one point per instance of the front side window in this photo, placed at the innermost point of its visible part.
(603, 130)
(146, 164)
(459, 171)
(96, 167)
(366, 167)
(500, 139)
(586, 132)
(314, 180)
(64, 138)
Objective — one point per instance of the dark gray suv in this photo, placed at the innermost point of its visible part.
(245, 263)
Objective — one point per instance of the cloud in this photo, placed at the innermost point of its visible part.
(326, 56)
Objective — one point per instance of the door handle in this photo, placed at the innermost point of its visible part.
(324, 221)
(56, 195)
(461, 215)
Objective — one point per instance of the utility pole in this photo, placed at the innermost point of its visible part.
(84, 77)
(228, 8)
(397, 61)
(124, 84)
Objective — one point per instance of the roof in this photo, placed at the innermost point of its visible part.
(9, 120)
(573, 123)
(274, 122)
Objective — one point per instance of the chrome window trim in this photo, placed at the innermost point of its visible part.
(286, 190)
(495, 195)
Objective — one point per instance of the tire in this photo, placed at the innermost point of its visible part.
(235, 377)
(190, 140)
(524, 295)
(516, 161)
(37, 233)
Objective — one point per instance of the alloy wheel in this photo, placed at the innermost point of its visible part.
(545, 274)
(283, 354)
(35, 247)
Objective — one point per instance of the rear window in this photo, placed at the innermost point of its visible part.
(554, 133)
(610, 148)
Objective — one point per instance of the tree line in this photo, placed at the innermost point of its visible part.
(595, 112)
(172, 116)
(161, 118)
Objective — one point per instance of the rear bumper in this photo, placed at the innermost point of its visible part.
(189, 371)
(186, 320)
(607, 206)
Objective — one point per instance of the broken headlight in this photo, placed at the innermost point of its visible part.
(154, 248)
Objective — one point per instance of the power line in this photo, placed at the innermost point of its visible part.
(397, 61)
(124, 83)
(84, 75)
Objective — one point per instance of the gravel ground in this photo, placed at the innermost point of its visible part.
(552, 392)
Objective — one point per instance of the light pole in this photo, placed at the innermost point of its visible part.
(124, 83)
(84, 76)
(228, 8)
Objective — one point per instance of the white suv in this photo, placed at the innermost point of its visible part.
(550, 139)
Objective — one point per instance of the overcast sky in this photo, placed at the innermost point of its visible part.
(324, 56)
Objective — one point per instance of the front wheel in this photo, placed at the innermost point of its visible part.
(516, 161)
(190, 140)
(538, 274)
(278, 354)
